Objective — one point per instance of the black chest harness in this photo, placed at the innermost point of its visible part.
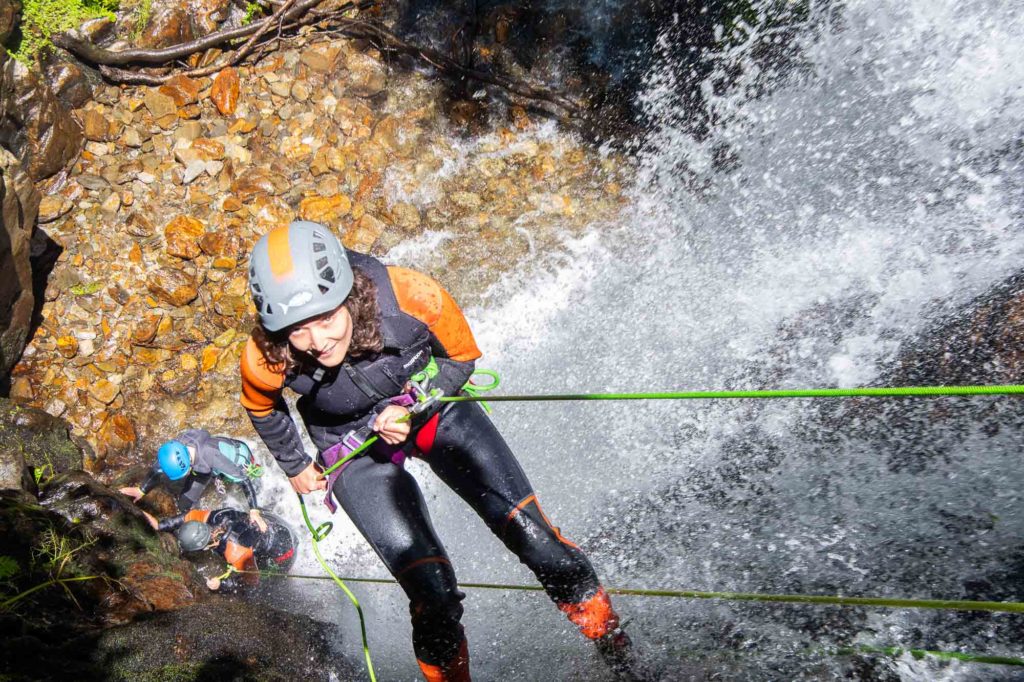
(336, 400)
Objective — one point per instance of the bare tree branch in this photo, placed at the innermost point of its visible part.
(289, 15)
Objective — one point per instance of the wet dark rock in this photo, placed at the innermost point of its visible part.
(9, 10)
(39, 438)
(19, 204)
(72, 83)
(34, 125)
(119, 572)
(168, 25)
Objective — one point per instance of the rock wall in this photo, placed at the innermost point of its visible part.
(19, 205)
(38, 137)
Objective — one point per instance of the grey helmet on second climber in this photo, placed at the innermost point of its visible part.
(297, 272)
(194, 536)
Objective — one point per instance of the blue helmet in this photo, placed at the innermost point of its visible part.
(174, 459)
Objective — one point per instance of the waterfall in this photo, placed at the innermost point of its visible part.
(851, 179)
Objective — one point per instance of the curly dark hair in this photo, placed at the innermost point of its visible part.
(361, 304)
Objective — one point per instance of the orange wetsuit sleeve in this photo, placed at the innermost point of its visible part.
(261, 385)
(426, 300)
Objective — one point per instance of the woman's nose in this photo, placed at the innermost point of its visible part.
(317, 340)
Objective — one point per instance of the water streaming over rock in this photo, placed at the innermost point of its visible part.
(859, 181)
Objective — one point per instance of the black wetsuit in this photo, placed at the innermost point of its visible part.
(212, 459)
(470, 456)
(459, 443)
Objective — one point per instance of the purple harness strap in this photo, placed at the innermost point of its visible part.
(351, 441)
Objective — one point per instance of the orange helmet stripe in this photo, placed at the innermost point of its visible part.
(278, 252)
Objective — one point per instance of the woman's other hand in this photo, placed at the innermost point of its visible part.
(133, 492)
(256, 517)
(390, 429)
(308, 480)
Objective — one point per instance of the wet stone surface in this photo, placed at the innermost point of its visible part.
(147, 308)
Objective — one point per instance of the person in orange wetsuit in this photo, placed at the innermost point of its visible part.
(347, 334)
(246, 546)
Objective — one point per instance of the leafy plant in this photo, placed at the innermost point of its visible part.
(8, 568)
(55, 555)
(141, 18)
(43, 474)
(253, 11)
(41, 19)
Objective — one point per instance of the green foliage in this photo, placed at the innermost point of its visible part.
(43, 474)
(55, 556)
(86, 289)
(141, 18)
(253, 10)
(8, 568)
(41, 19)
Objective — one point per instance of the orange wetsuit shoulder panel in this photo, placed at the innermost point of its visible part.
(198, 515)
(261, 384)
(427, 301)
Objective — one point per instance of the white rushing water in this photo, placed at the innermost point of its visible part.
(873, 187)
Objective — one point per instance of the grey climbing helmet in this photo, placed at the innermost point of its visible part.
(193, 536)
(298, 272)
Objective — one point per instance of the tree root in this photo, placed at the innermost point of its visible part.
(290, 15)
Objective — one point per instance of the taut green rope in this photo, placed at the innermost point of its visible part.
(870, 392)
(896, 652)
(826, 600)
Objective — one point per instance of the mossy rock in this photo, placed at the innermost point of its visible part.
(42, 439)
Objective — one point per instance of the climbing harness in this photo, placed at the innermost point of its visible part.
(422, 398)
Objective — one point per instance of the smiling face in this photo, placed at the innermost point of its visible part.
(325, 338)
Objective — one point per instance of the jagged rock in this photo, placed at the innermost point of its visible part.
(225, 91)
(70, 82)
(325, 210)
(405, 216)
(34, 125)
(40, 439)
(19, 204)
(367, 76)
(160, 104)
(173, 286)
(9, 10)
(321, 58)
(95, 126)
(182, 89)
(207, 15)
(168, 25)
(182, 235)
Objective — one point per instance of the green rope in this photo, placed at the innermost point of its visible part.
(961, 605)
(319, 533)
(834, 600)
(871, 392)
(896, 652)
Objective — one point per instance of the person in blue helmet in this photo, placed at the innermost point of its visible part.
(200, 457)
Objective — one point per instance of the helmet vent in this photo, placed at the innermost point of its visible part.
(327, 274)
(258, 300)
(270, 311)
(319, 247)
(321, 263)
(256, 287)
(323, 289)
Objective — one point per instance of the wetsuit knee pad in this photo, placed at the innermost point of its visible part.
(562, 568)
(435, 606)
